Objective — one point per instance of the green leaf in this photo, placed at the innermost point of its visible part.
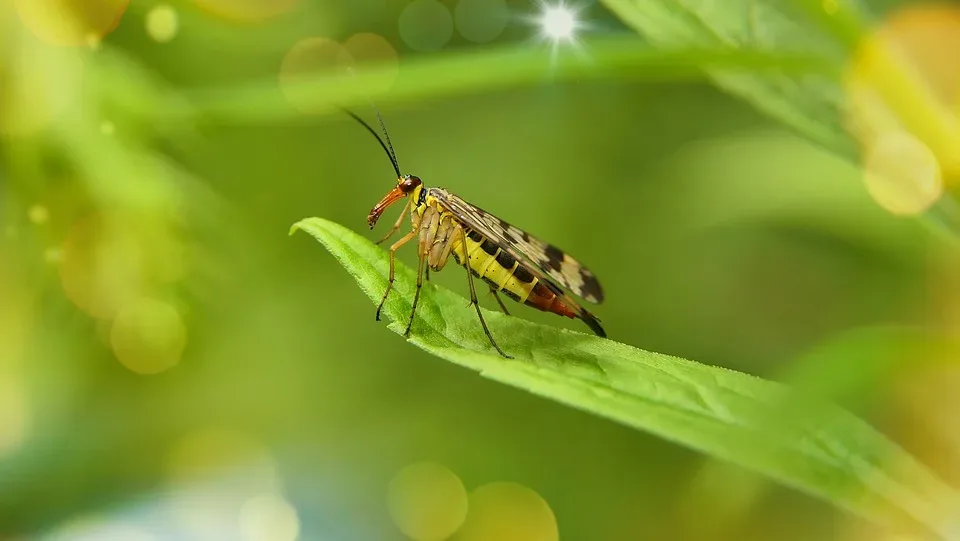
(808, 103)
(810, 445)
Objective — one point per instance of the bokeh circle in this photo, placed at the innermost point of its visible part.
(372, 55)
(148, 336)
(71, 22)
(481, 21)
(162, 23)
(902, 174)
(246, 10)
(902, 92)
(305, 65)
(508, 512)
(427, 501)
(426, 25)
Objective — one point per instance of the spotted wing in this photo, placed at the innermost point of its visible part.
(556, 264)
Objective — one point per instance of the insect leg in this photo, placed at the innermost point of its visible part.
(473, 295)
(396, 226)
(416, 296)
(405, 239)
(500, 302)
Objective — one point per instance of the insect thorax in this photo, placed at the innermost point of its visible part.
(420, 199)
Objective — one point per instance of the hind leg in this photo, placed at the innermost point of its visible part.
(473, 301)
(500, 302)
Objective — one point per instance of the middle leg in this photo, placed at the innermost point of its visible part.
(416, 296)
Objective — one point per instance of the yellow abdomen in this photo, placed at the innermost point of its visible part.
(494, 266)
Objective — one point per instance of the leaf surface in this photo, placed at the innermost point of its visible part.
(761, 425)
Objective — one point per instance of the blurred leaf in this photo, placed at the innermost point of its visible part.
(810, 445)
(471, 72)
(808, 103)
(861, 364)
(813, 103)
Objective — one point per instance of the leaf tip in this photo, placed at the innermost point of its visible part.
(295, 227)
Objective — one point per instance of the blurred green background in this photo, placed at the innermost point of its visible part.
(174, 366)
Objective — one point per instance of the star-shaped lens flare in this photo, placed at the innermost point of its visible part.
(558, 25)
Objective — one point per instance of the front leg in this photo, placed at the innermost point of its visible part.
(393, 249)
(397, 225)
(427, 229)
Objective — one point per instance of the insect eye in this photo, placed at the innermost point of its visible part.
(409, 183)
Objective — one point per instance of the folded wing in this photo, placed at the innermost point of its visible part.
(552, 261)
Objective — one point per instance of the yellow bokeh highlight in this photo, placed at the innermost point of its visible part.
(427, 501)
(52, 255)
(70, 22)
(269, 517)
(148, 336)
(306, 64)
(372, 55)
(162, 23)
(313, 62)
(699, 514)
(94, 42)
(197, 462)
(246, 10)
(6, 15)
(19, 311)
(903, 78)
(508, 512)
(37, 84)
(921, 405)
(902, 174)
(38, 214)
(14, 414)
(209, 452)
(109, 262)
(856, 529)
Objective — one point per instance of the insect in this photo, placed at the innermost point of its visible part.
(510, 260)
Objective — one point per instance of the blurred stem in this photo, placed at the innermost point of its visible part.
(471, 72)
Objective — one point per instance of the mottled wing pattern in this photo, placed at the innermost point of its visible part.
(558, 265)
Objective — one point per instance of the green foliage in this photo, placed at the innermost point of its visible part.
(807, 103)
(758, 424)
(813, 102)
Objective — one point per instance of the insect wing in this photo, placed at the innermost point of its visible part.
(552, 261)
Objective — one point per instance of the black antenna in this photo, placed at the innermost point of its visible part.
(383, 128)
(387, 147)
